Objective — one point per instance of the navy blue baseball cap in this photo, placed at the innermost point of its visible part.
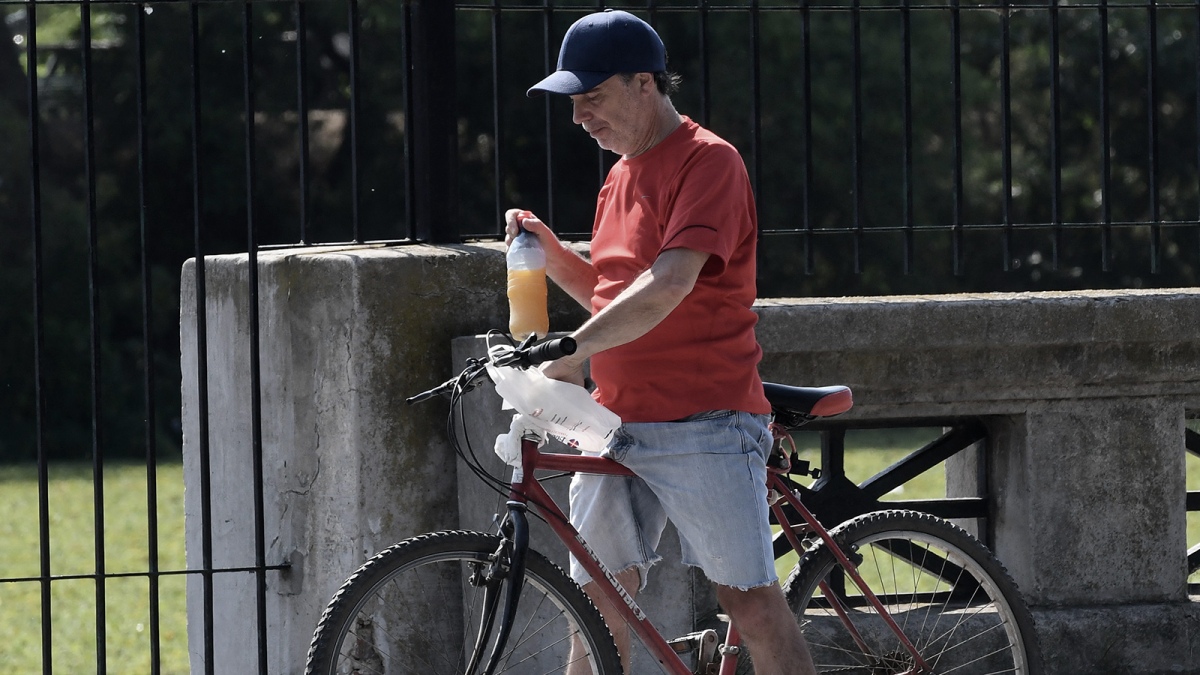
(599, 46)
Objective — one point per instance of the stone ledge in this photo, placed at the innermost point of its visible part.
(1158, 639)
(987, 354)
(1064, 318)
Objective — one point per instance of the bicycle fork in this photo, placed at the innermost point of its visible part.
(507, 569)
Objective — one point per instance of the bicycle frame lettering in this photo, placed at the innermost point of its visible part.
(629, 601)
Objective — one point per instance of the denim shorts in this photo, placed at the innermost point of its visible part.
(707, 474)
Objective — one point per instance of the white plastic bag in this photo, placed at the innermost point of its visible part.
(508, 445)
(563, 410)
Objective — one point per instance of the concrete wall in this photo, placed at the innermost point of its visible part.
(1084, 394)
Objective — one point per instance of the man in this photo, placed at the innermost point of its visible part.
(670, 284)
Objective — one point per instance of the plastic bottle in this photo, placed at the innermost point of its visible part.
(527, 287)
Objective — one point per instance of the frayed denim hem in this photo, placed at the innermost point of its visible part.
(736, 587)
(642, 568)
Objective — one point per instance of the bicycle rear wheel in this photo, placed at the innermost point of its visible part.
(948, 593)
(417, 608)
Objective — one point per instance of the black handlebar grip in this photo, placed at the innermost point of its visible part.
(551, 350)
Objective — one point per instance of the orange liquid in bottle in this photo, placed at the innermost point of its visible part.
(527, 303)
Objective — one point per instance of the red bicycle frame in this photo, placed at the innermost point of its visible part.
(526, 489)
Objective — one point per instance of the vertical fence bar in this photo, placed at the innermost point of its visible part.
(547, 66)
(906, 84)
(1152, 132)
(435, 134)
(256, 443)
(1056, 219)
(93, 271)
(355, 202)
(301, 16)
(497, 117)
(806, 206)
(601, 168)
(756, 101)
(39, 338)
(202, 440)
(410, 155)
(956, 83)
(148, 372)
(1006, 169)
(856, 141)
(1105, 146)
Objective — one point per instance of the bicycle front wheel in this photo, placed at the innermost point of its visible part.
(418, 607)
(950, 596)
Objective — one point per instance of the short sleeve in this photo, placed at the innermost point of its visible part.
(714, 209)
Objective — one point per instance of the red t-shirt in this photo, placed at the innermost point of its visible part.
(689, 191)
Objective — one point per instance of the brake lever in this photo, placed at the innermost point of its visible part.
(467, 380)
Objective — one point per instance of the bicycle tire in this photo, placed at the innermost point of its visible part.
(414, 608)
(944, 588)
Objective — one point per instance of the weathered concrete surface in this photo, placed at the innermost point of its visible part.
(1084, 394)
(912, 356)
(1121, 639)
(345, 335)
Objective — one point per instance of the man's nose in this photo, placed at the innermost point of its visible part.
(579, 112)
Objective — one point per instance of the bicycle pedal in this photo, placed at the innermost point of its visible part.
(692, 641)
(704, 643)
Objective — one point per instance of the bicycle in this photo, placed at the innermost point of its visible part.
(887, 592)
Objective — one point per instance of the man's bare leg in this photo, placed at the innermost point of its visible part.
(767, 624)
(630, 580)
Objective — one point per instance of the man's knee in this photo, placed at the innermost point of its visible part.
(763, 603)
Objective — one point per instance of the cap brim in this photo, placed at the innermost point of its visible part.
(568, 82)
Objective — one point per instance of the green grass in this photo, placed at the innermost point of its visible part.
(73, 552)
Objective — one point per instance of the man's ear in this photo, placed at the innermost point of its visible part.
(646, 82)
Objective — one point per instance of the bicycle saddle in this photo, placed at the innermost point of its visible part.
(809, 402)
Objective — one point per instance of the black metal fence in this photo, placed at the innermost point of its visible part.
(894, 146)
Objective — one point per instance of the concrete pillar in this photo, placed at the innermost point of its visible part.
(345, 335)
(1090, 501)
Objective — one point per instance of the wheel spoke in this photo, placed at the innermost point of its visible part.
(419, 607)
(953, 602)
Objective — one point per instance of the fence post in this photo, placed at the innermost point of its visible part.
(434, 130)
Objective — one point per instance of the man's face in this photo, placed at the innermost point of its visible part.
(619, 115)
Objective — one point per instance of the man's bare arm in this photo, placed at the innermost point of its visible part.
(633, 313)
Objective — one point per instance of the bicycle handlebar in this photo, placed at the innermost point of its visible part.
(522, 356)
(550, 350)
